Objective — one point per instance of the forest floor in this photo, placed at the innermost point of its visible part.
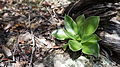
(25, 30)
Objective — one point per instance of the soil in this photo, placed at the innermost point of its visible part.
(26, 26)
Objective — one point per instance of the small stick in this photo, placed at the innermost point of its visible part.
(73, 6)
(34, 43)
(33, 48)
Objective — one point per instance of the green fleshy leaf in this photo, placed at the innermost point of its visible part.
(74, 45)
(90, 38)
(91, 48)
(90, 25)
(70, 25)
(94, 38)
(70, 35)
(80, 21)
(59, 34)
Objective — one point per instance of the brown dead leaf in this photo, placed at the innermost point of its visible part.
(10, 1)
(59, 10)
(20, 64)
(5, 15)
(5, 59)
(56, 47)
(45, 3)
(6, 51)
(24, 37)
(8, 26)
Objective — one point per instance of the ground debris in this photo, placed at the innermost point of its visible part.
(25, 33)
(25, 30)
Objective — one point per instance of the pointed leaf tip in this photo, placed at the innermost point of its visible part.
(91, 25)
(59, 34)
(70, 25)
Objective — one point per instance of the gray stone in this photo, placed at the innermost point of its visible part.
(64, 60)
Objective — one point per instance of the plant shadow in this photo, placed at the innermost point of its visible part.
(74, 55)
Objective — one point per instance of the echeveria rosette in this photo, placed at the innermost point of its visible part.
(80, 34)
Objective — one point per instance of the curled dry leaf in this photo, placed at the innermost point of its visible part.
(24, 37)
(59, 10)
(20, 64)
(5, 15)
(42, 42)
(8, 26)
(45, 3)
(7, 51)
